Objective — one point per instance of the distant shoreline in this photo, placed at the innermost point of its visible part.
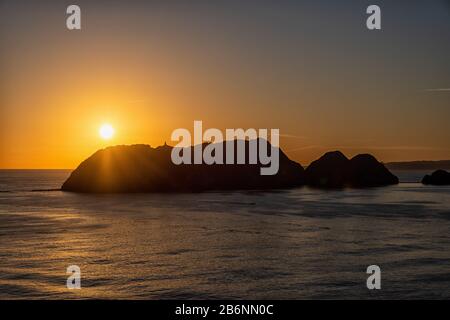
(419, 165)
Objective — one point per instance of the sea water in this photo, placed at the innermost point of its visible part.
(289, 244)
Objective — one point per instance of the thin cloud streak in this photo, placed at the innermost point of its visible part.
(438, 90)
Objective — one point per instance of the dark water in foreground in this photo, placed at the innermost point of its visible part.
(301, 243)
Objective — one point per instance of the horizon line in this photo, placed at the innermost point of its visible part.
(388, 162)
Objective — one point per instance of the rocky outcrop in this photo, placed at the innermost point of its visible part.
(329, 171)
(438, 177)
(366, 171)
(335, 170)
(141, 168)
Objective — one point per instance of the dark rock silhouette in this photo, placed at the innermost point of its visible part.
(366, 171)
(334, 170)
(141, 168)
(438, 177)
(329, 171)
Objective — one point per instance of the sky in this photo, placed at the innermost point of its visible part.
(308, 68)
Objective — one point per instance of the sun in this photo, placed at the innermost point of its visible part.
(106, 131)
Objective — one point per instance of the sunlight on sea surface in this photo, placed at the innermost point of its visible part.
(297, 244)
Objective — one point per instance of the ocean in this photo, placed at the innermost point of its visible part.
(300, 243)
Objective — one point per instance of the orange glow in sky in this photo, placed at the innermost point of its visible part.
(149, 70)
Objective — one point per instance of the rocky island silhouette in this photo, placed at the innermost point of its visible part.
(141, 168)
(335, 170)
(438, 178)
